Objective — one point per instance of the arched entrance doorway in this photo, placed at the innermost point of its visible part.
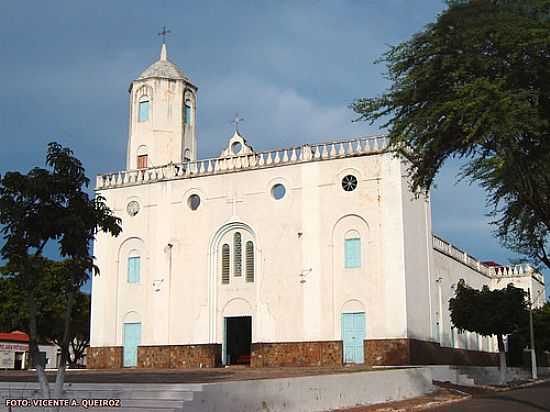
(237, 332)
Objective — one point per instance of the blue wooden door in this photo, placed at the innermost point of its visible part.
(132, 339)
(225, 359)
(353, 335)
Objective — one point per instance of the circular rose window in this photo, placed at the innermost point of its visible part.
(278, 191)
(349, 183)
(132, 208)
(194, 202)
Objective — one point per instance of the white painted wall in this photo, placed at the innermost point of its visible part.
(446, 274)
(51, 355)
(448, 271)
(301, 286)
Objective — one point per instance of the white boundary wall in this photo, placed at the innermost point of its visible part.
(481, 375)
(314, 393)
(303, 394)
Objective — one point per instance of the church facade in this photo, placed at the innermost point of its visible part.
(315, 255)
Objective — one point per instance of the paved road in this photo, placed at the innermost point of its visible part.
(535, 398)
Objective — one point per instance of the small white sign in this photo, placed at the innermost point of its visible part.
(7, 359)
(14, 347)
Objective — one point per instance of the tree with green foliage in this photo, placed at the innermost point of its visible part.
(488, 312)
(475, 85)
(50, 308)
(541, 327)
(51, 205)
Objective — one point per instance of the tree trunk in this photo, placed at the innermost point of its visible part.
(35, 352)
(33, 348)
(502, 359)
(79, 348)
(60, 378)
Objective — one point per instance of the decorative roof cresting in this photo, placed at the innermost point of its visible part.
(164, 68)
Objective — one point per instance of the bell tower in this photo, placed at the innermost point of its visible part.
(162, 118)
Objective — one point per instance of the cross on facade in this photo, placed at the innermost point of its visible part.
(163, 33)
(233, 202)
(236, 121)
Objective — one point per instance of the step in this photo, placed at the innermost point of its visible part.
(465, 380)
(72, 394)
(150, 403)
(188, 387)
(130, 409)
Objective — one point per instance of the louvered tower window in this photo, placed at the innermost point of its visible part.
(237, 254)
(225, 264)
(249, 261)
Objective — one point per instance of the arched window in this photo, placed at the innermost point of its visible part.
(236, 257)
(249, 261)
(237, 254)
(143, 114)
(352, 250)
(225, 264)
(142, 158)
(134, 268)
(187, 112)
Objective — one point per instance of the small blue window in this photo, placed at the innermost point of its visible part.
(353, 253)
(187, 113)
(144, 111)
(133, 269)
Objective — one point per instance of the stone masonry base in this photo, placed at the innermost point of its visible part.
(180, 356)
(389, 352)
(322, 354)
(105, 357)
(378, 352)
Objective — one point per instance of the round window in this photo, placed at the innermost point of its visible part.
(236, 148)
(349, 183)
(132, 208)
(278, 191)
(194, 202)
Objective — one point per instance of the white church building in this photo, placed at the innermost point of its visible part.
(314, 255)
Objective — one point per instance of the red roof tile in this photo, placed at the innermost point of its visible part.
(16, 336)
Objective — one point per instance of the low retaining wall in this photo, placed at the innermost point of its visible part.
(314, 393)
(300, 394)
(488, 375)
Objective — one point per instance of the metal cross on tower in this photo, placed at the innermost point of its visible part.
(163, 33)
(236, 121)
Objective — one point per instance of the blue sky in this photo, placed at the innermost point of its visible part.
(291, 68)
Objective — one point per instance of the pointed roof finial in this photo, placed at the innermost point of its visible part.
(163, 52)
